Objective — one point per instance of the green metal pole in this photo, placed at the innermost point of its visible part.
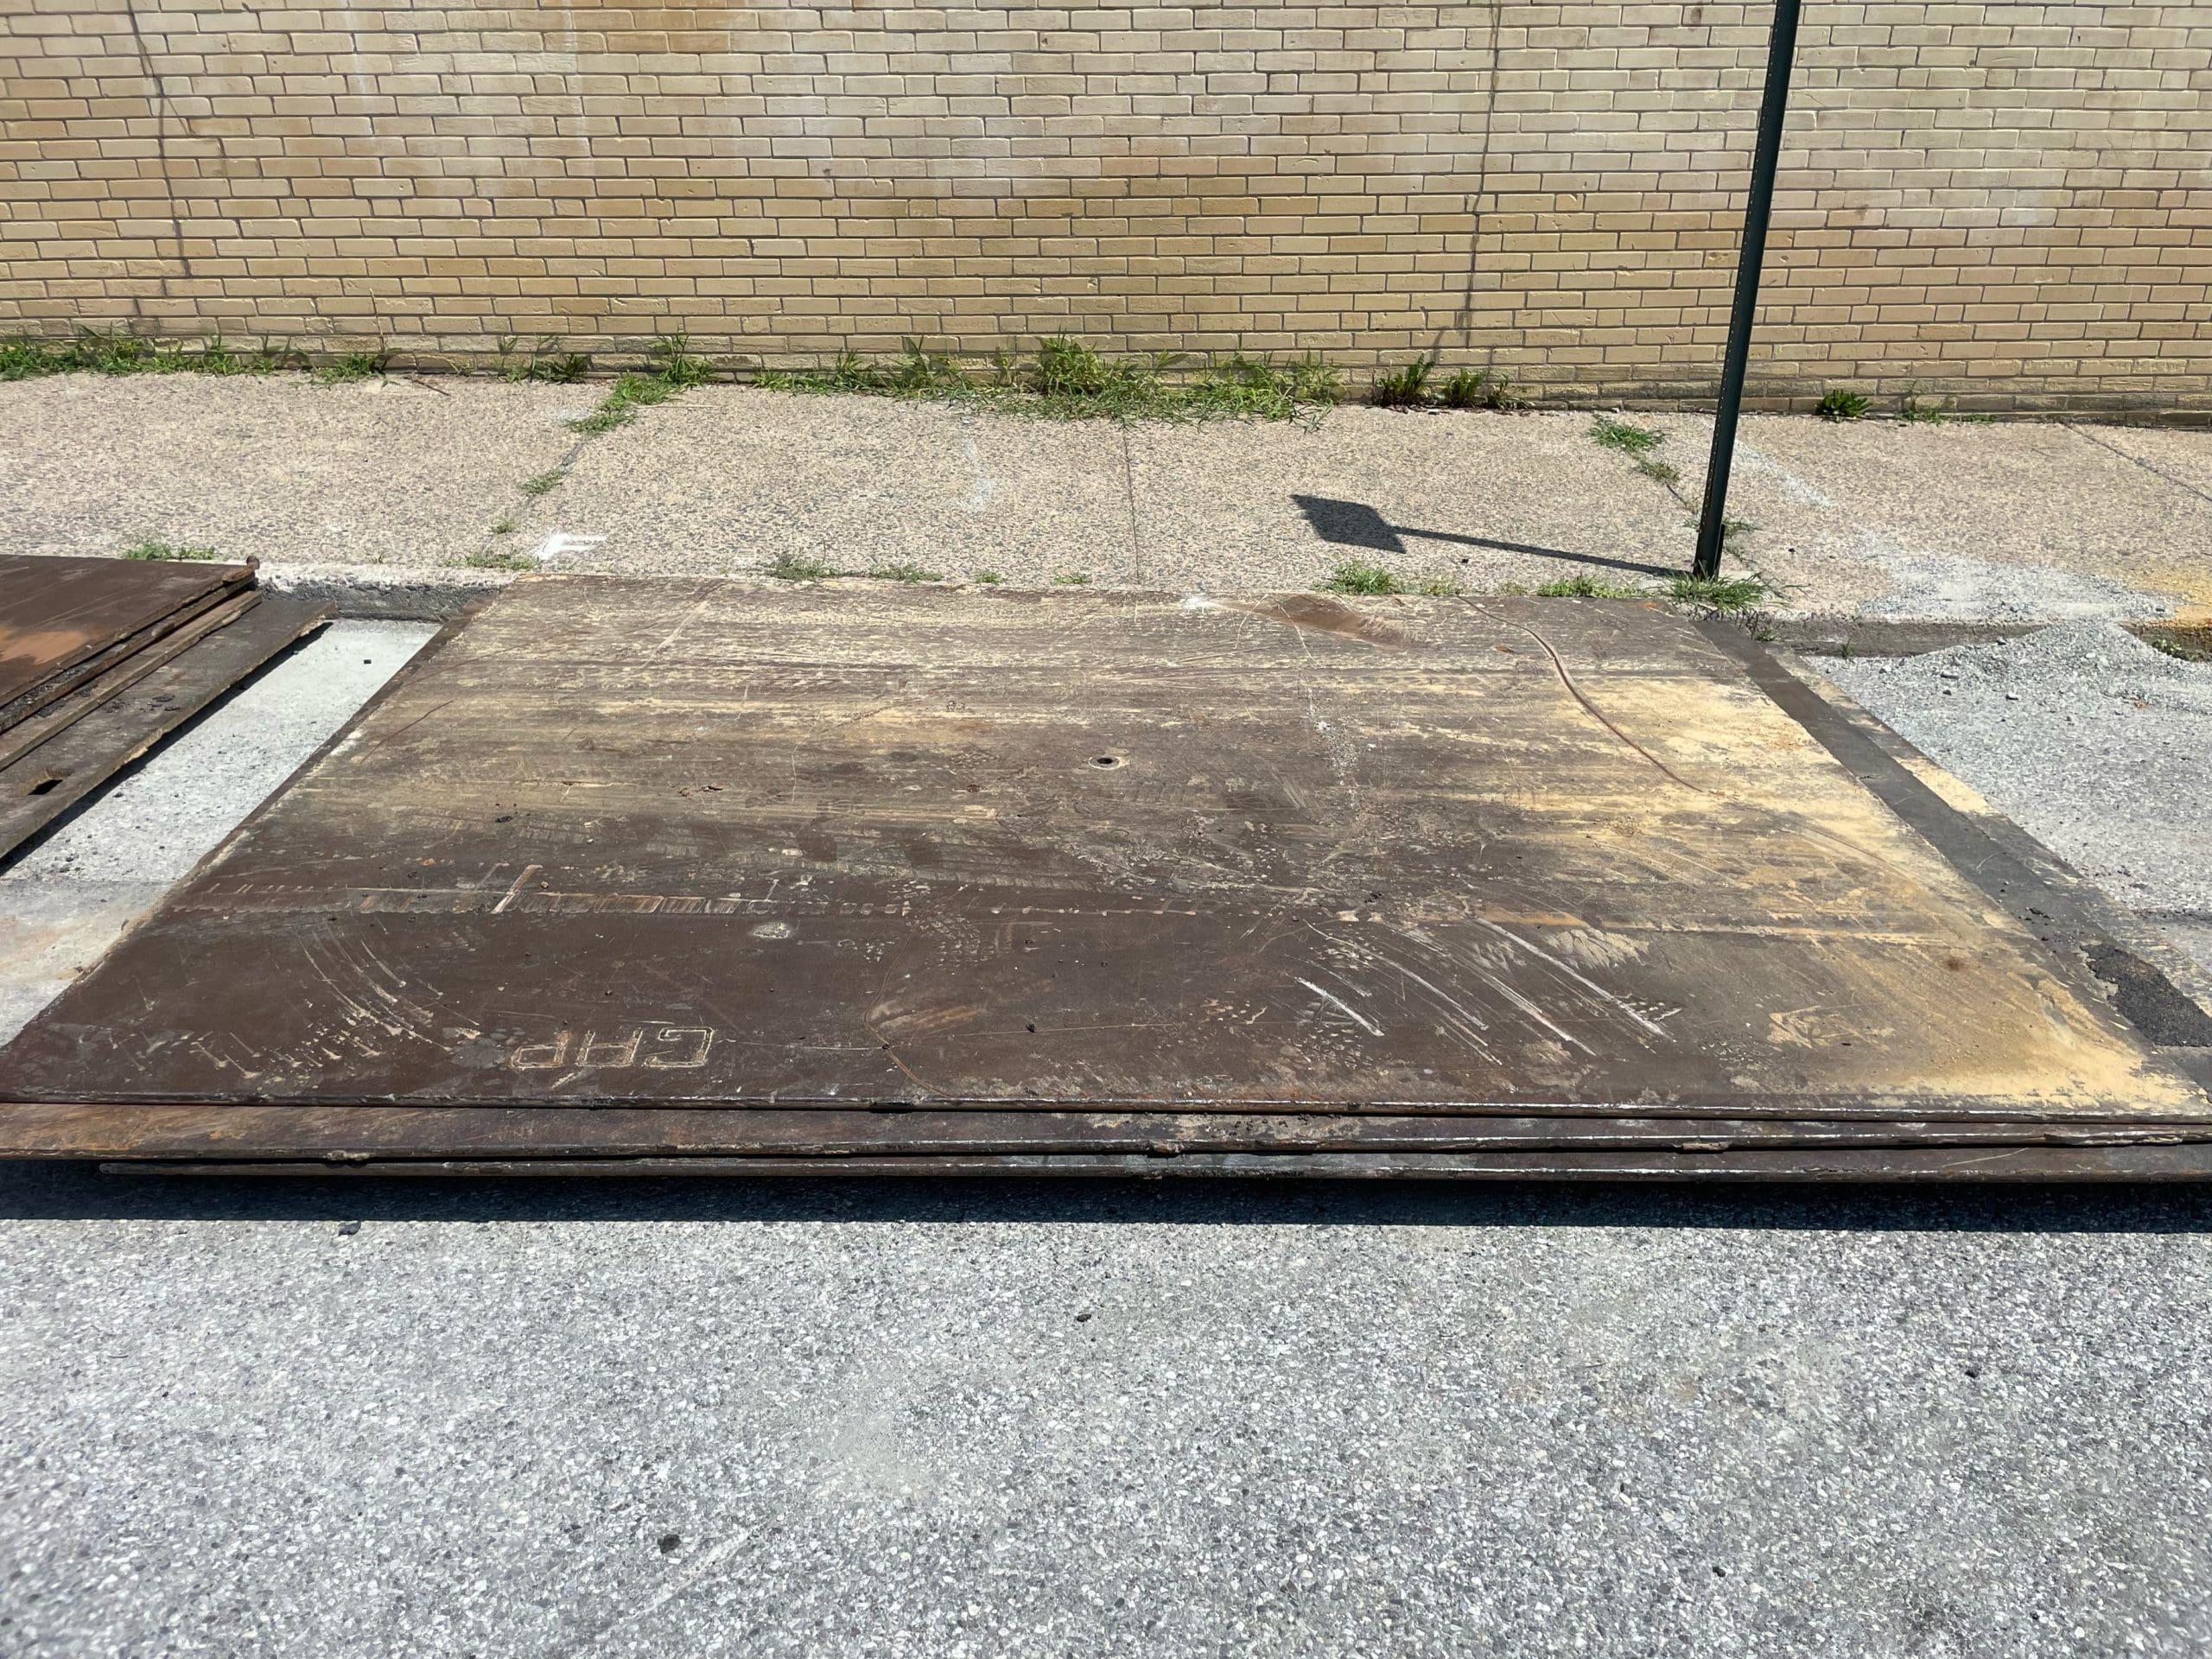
(1780, 55)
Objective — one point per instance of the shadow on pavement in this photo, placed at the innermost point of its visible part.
(35, 1192)
(1354, 524)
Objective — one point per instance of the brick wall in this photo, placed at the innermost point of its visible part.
(2011, 201)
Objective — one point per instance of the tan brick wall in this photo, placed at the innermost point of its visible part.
(2011, 201)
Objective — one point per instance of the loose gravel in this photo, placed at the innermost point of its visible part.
(2093, 741)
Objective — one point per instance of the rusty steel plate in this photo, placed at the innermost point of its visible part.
(66, 619)
(1916, 1166)
(161, 689)
(352, 1134)
(675, 846)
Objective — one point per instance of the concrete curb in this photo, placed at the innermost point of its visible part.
(1845, 635)
(384, 594)
(438, 595)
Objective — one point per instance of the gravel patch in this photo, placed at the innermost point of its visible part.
(1946, 588)
(2091, 741)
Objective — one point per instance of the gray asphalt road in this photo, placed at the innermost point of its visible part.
(869, 1419)
(858, 1418)
(2086, 737)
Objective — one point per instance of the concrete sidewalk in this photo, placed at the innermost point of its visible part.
(405, 481)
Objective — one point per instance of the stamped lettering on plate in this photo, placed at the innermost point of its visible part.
(655, 1048)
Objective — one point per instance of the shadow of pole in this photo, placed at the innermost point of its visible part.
(1354, 524)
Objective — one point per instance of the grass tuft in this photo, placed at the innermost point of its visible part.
(2177, 650)
(1588, 587)
(906, 572)
(1442, 587)
(1359, 577)
(354, 366)
(1913, 412)
(1072, 579)
(632, 392)
(543, 483)
(987, 578)
(674, 370)
(1608, 432)
(1469, 389)
(675, 366)
(1718, 593)
(797, 566)
(162, 551)
(1840, 404)
(1415, 386)
(544, 361)
(1405, 388)
(95, 351)
(1064, 379)
(494, 559)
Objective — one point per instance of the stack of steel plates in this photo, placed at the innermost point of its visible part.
(629, 877)
(100, 659)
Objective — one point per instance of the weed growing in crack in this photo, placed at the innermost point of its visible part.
(632, 392)
(545, 361)
(1913, 412)
(675, 366)
(1064, 379)
(1610, 432)
(354, 366)
(495, 559)
(1405, 388)
(674, 371)
(906, 572)
(1840, 404)
(1359, 577)
(1584, 586)
(1414, 387)
(163, 552)
(797, 566)
(543, 483)
(1479, 388)
(105, 351)
(2178, 652)
(1718, 593)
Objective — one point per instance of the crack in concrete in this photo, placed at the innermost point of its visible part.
(2150, 467)
(1130, 492)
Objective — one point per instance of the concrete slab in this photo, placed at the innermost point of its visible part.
(2018, 522)
(1484, 499)
(727, 479)
(2180, 455)
(276, 467)
(64, 900)
(2002, 523)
